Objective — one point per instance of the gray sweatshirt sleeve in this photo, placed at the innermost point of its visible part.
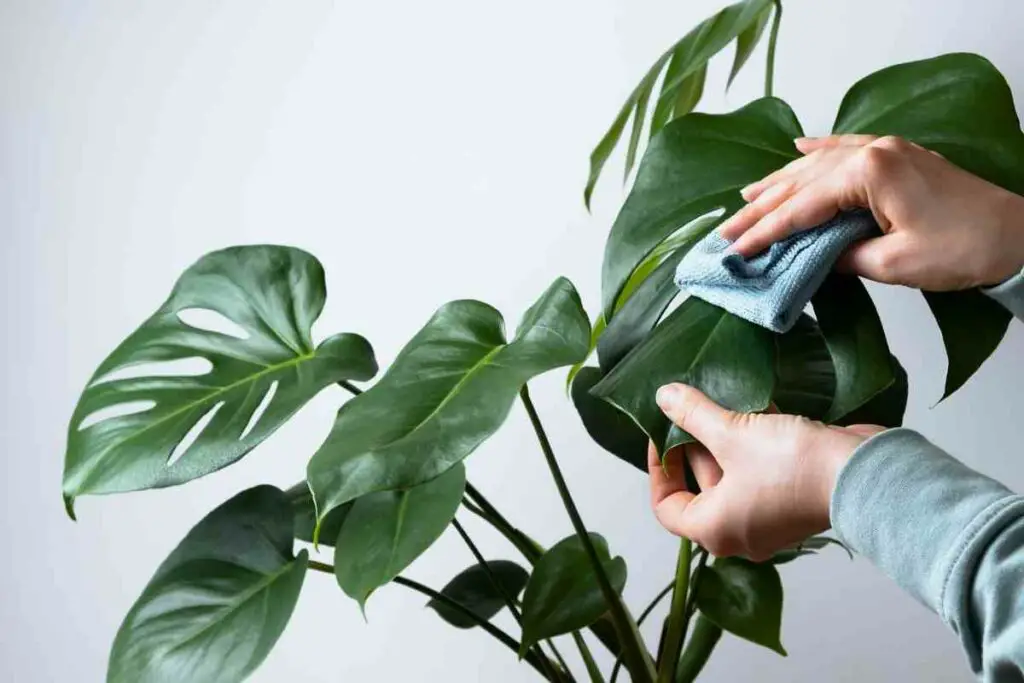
(950, 536)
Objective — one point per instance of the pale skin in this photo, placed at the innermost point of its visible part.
(767, 479)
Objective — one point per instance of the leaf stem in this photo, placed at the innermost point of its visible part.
(691, 605)
(773, 37)
(706, 635)
(643, 617)
(588, 658)
(509, 602)
(675, 631)
(635, 655)
(349, 387)
(483, 508)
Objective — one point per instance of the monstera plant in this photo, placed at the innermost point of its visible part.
(389, 480)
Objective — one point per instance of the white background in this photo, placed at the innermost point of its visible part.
(424, 151)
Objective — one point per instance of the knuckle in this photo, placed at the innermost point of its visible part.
(892, 143)
(875, 161)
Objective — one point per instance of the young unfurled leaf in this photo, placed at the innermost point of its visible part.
(219, 602)
(563, 594)
(259, 375)
(960, 106)
(745, 599)
(448, 390)
(474, 589)
(385, 531)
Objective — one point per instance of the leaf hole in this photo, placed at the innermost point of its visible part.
(119, 410)
(179, 367)
(260, 409)
(212, 321)
(193, 434)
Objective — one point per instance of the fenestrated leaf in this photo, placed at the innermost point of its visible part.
(885, 408)
(474, 589)
(612, 429)
(685, 59)
(563, 594)
(729, 359)
(960, 106)
(811, 546)
(449, 389)
(972, 325)
(856, 341)
(274, 294)
(219, 602)
(385, 531)
(805, 379)
(304, 516)
(677, 182)
(747, 41)
(744, 599)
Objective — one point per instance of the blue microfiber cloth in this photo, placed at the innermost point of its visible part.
(772, 288)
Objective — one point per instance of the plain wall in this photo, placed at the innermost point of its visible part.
(424, 151)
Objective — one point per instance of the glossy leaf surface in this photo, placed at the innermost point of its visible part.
(273, 295)
(448, 390)
(475, 590)
(745, 599)
(609, 427)
(726, 357)
(219, 602)
(385, 531)
(856, 341)
(805, 377)
(304, 516)
(960, 106)
(886, 408)
(677, 182)
(563, 594)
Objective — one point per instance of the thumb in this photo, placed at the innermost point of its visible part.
(694, 412)
(872, 258)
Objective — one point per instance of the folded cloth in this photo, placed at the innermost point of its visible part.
(772, 288)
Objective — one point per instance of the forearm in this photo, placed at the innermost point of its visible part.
(950, 536)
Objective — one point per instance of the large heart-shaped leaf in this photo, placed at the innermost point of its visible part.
(729, 359)
(563, 594)
(385, 531)
(805, 379)
(683, 82)
(449, 389)
(612, 429)
(696, 165)
(273, 295)
(745, 599)
(960, 106)
(474, 588)
(886, 408)
(219, 602)
(855, 339)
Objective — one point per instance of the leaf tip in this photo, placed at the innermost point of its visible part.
(69, 507)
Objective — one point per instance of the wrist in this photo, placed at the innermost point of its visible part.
(1008, 259)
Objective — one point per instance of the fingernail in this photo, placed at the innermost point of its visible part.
(667, 396)
(806, 138)
(746, 190)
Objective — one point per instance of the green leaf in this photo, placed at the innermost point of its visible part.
(745, 599)
(385, 531)
(475, 590)
(855, 339)
(726, 357)
(885, 408)
(972, 326)
(747, 41)
(613, 430)
(811, 546)
(689, 92)
(676, 182)
(685, 59)
(274, 294)
(596, 330)
(960, 106)
(304, 516)
(448, 390)
(563, 594)
(805, 379)
(219, 602)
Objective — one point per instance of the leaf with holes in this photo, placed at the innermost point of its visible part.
(475, 589)
(676, 183)
(960, 106)
(192, 425)
(385, 531)
(448, 390)
(805, 379)
(219, 602)
(745, 599)
(563, 594)
(726, 357)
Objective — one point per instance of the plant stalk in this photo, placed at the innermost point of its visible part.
(675, 631)
(635, 655)
(691, 605)
(773, 38)
(640, 620)
(349, 387)
(588, 658)
(706, 635)
(481, 507)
